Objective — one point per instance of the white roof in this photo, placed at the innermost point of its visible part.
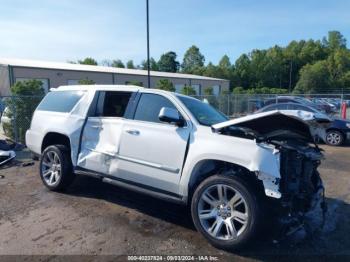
(102, 69)
(129, 88)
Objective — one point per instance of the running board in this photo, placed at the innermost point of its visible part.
(133, 186)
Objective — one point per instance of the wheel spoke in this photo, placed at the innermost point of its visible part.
(207, 197)
(49, 165)
(56, 176)
(50, 157)
(52, 178)
(222, 193)
(215, 228)
(56, 160)
(230, 227)
(236, 200)
(47, 172)
(240, 217)
(207, 214)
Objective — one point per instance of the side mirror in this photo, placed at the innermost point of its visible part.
(170, 115)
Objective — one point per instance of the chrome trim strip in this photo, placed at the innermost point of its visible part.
(145, 163)
(138, 161)
(100, 152)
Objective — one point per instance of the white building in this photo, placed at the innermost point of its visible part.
(54, 74)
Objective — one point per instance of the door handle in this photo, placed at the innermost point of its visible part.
(133, 132)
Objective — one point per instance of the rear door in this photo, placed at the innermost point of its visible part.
(152, 152)
(102, 132)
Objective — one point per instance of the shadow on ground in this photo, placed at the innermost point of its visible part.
(331, 239)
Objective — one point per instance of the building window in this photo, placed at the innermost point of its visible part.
(197, 88)
(44, 81)
(73, 82)
(178, 88)
(216, 90)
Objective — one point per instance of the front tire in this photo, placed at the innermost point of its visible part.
(56, 168)
(226, 211)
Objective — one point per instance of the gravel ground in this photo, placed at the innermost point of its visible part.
(93, 218)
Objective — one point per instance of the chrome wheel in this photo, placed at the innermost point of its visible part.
(51, 168)
(334, 138)
(223, 212)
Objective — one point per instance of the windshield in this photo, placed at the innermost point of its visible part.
(204, 113)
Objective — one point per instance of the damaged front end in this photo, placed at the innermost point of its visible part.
(301, 187)
(297, 188)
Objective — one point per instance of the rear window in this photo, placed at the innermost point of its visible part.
(60, 101)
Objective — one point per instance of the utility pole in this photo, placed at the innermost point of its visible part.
(148, 58)
(290, 76)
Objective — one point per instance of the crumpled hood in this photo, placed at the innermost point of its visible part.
(269, 125)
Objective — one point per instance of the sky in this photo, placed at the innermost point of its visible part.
(62, 30)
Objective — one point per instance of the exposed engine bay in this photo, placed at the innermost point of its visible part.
(299, 186)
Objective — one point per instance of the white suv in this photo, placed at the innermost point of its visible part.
(235, 174)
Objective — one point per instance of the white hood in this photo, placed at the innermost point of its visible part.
(272, 124)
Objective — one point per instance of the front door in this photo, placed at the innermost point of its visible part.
(152, 152)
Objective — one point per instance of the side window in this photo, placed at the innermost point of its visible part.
(298, 107)
(294, 107)
(149, 107)
(60, 101)
(112, 103)
(282, 107)
(270, 108)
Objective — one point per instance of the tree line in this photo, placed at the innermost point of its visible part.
(305, 66)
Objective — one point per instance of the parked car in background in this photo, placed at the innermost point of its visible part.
(336, 134)
(325, 104)
(235, 175)
(299, 100)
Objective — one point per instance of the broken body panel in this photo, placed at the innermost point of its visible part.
(296, 182)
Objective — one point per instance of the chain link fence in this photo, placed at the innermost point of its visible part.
(16, 111)
(236, 105)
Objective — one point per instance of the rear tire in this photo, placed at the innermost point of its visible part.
(56, 168)
(334, 138)
(230, 219)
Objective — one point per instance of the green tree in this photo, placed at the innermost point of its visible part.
(188, 90)
(165, 84)
(130, 64)
(314, 78)
(243, 71)
(134, 83)
(117, 63)
(168, 63)
(153, 64)
(26, 95)
(238, 90)
(212, 70)
(86, 81)
(193, 60)
(88, 61)
(335, 40)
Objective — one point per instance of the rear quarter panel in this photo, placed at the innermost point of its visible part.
(68, 124)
